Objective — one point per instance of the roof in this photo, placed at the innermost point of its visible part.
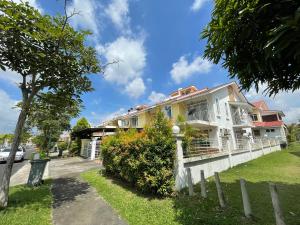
(261, 105)
(179, 98)
(268, 124)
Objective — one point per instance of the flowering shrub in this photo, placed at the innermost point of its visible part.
(145, 159)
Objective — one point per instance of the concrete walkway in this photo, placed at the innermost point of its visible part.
(75, 201)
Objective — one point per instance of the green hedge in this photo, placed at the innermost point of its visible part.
(145, 159)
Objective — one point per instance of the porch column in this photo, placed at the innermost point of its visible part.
(93, 150)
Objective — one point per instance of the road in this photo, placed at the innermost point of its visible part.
(17, 165)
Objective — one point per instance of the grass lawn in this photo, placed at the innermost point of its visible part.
(283, 168)
(28, 206)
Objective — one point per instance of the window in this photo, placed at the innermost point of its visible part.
(270, 130)
(134, 121)
(218, 106)
(226, 109)
(168, 111)
(254, 117)
(124, 123)
(256, 133)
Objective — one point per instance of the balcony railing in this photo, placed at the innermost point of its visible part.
(203, 115)
(200, 146)
(241, 120)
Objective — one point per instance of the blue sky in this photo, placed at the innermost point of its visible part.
(158, 48)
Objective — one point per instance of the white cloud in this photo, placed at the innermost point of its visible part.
(33, 3)
(156, 97)
(288, 102)
(11, 77)
(118, 12)
(8, 114)
(182, 69)
(96, 118)
(135, 88)
(197, 5)
(127, 72)
(87, 17)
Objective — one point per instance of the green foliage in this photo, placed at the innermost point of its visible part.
(8, 137)
(51, 113)
(189, 133)
(75, 147)
(258, 41)
(81, 124)
(293, 133)
(145, 159)
(63, 145)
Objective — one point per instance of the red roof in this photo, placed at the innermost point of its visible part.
(268, 124)
(261, 105)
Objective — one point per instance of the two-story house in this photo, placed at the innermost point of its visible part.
(268, 123)
(221, 114)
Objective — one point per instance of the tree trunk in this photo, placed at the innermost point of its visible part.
(5, 179)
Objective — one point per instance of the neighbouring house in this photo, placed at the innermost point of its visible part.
(91, 139)
(268, 123)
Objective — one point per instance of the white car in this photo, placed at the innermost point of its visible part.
(4, 153)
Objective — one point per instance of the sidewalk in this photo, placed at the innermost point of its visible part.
(74, 201)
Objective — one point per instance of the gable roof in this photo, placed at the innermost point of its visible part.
(261, 105)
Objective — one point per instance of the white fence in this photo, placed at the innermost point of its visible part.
(200, 146)
(209, 156)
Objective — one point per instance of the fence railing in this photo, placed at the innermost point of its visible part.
(200, 146)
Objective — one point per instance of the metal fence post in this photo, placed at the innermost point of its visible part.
(202, 183)
(220, 191)
(246, 201)
(276, 205)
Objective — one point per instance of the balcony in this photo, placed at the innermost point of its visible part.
(242, 120)
(200, 118)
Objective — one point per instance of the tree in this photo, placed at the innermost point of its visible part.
(49, 55)
(81, 124)
(51, 114)
(257, 41)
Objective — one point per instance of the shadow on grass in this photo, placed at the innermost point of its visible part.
(128, 186)
(24, 196)
(66, 190)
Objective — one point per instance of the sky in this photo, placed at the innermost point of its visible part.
(157, 47)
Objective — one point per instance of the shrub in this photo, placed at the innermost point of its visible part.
(145, 159)
(62, 145)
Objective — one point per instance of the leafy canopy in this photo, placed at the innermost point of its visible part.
(81, 124)
(51, 114)
(258, 41)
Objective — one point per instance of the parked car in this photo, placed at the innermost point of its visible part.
(5, 153)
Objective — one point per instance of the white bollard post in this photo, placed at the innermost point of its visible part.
(220, 191)
(276, 205)
(190, 182)
(246, 201)
(202, 183)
